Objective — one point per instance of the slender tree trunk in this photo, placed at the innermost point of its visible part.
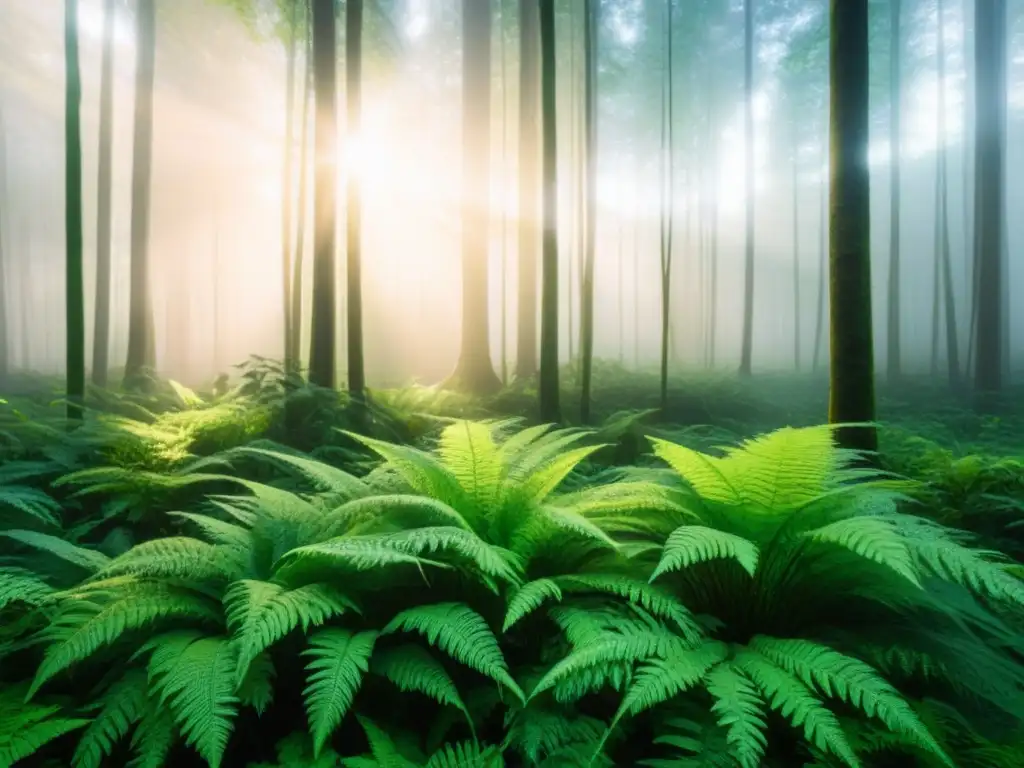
(894, 354)
(636, 271)
(354, 217)
(591, 8)
(746, 354)
(667, 195)
(101, 324)
(503, 250)
(475, 372)
(575, 239)
(852, 380)
(713, 263)
(302, 213)
(952, 343)
(548, 391)
(286, 190)
(796, 248)
(325, 195)
(6, 332)
(529, 187)
(620, 285)
(141, 351)
(74, 283)
(989, 121)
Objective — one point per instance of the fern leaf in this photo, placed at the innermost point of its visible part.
(121, 707)
(153, 738)
(424, 473)
(650, 598)
(86, 625)
(468, 450)
(543, 483)
(529, 598)
(219, 531)
(851, 680)
(794, 701)
(463, 634)
(257, 687)
(398, 509)
(411, 668)
(324, 477)
(31, 502)
(873, 538)
(194, 676)
(659, 680)
(18, 743)
(739, 709)
(338, 662)
(692, 544)
(87, 559)
(702, 472)
(466, 755)
(260, 613)
(19, 585)
(171, 557)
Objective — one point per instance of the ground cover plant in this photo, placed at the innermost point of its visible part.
(185, 589)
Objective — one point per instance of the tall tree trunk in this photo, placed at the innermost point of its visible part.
(529, 187)
(945, 258)
(101, 324)
(746, 353)
(575, 240)
(503, 249)
(475, 372)
(302, 212)
(325, 195)
(989, 121)
(852, 380)
(893, 333)
(141, 351)
(667, 197)
(354, 218)
(636, 270)
(591, 8)
(819, 323)
(548, 389)
(796, 247)
(6, 332)
(74, 301)
(286, 189)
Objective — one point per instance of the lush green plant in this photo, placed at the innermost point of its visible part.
(820, 590)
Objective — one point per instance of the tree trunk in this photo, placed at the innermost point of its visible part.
(548, 390)
(591, 8)
(101, 324)
(302, 213)
(141, 351)
(746, 353)
(6, 333)
(475, 372)
(74, 289)
(796, 247)
(945, 258)
(354, 217)
(529, 187)
(325, 195)
(286, 189)
(852, 383)
(989, 121)
(893, 354)
(503, 249)
(667, 194)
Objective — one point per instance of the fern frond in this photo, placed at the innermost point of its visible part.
(702, 472)
(653, 600)
(851, 680)
(31, 502)
(338, 661)
(256, 689)
(462, 633)
(411, 668)
(87, 559)
(873, 538)
(324, 477)
(466, 755)
(173, 557)
(26, 730)
(692, 544)
(121, 707)
(740, 710)
(529, 598)
(424, 473)
(468, 450)
(259, 613)
(20, 586)
(153, 738)
(794, 701)
(539, 731)
(397, 509)
(194, 676)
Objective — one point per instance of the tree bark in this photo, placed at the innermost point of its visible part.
(529, 187)
(989, 158)
(286, 189)
(325, 195)
(591, 10)
(354, 218)
(548, 390)
(475, 371)
(667, 194)
(852, 384)
(746, 353)
(141, 348)
(101, 321)
(893, 332)
(74, 282)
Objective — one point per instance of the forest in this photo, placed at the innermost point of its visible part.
(483, 383)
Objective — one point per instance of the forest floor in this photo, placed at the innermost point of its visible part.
(116, 536)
